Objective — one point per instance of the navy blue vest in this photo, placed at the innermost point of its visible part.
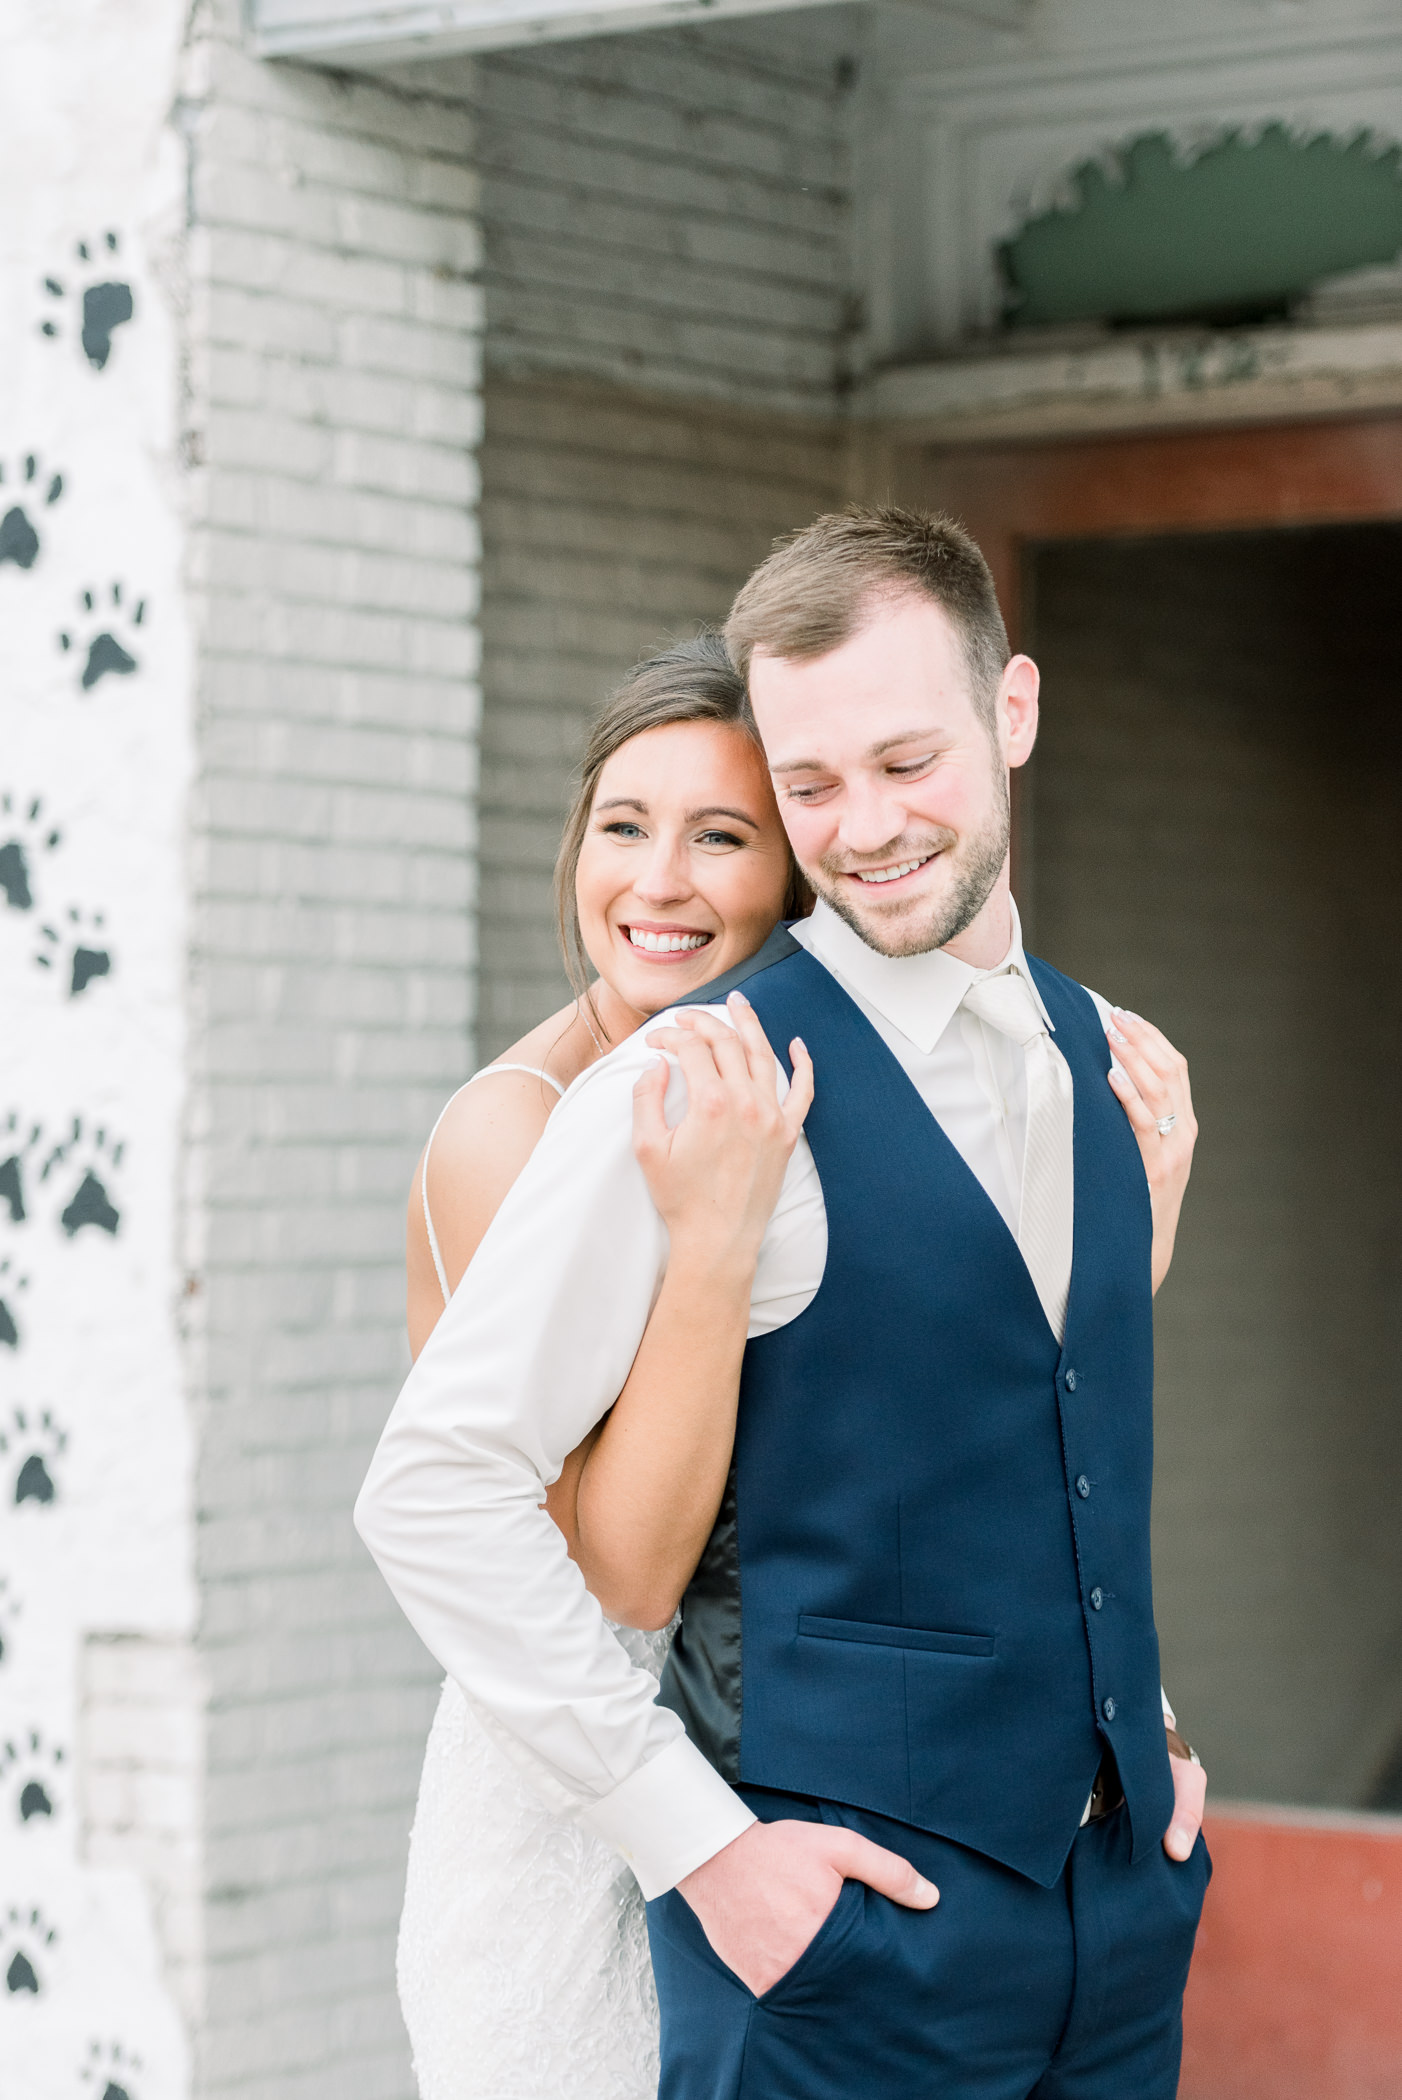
(928, 1593)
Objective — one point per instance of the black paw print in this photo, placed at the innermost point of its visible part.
(11, 1286)
(90, 1203)
(25, 1942)
(111, 2071)
(37, 1445)
(106, 306)
(105, 654)
(24, 837)
(19, 538)
(18, 1145)
(31, 1771)
(74, 949)
(9, 1612)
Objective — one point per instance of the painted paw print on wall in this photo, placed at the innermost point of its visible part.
(110, 2072)
(32, 1773)
(91, 1159)
(31, 1448)
(73, 943)
(26, 837)
(19, 1146)
(26, 1951)
(97, 637)
(9, 1611)
(70, 948)
(107, 304)
(85, 1164)
(19, 532)
(12, 1287)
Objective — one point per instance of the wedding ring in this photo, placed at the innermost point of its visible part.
(1165, 1124)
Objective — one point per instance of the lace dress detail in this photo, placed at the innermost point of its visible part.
(523, 1962)
(524, 1971)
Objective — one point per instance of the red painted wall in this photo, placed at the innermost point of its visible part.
(1296, 1990)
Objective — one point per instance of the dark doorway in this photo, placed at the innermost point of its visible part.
(1214, 838)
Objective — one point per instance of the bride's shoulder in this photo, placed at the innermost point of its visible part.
(498, 1116)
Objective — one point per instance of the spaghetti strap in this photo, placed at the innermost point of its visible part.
(433, 1246)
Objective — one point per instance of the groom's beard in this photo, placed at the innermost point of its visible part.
(914, 926)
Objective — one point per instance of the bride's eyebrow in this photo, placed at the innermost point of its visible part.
(717, 809)
(621, 802)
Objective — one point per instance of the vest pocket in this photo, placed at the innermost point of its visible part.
(869, 1635)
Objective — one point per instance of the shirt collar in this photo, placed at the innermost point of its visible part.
(917, 994)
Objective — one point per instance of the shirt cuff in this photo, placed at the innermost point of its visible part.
(669, 1817)
(1170, 1719)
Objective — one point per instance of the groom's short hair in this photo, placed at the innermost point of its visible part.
(817, 588)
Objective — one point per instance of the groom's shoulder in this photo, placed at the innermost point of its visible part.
(1050, 978)
(780, 947)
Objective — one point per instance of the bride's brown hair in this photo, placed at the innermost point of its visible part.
(695, 681)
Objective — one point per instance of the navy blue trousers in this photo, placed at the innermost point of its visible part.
(1004, 1991)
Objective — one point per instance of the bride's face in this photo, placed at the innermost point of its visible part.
(684, 866)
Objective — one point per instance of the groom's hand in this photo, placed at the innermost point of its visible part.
(762, 1899)
(1189, 1800)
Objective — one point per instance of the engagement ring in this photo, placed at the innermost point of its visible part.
(1165, 1124)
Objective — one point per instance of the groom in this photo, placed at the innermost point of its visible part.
(923, 1834)
(925, 1617)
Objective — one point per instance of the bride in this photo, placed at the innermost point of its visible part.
(523, 1956)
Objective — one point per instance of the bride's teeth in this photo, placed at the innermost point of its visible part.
(666, 943)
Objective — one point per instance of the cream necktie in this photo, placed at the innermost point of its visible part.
(1047, 1210)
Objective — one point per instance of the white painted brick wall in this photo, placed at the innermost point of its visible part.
(334, 410)
(140, 1776)
(672, 210)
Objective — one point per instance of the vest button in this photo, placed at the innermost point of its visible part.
(1070, 1381)
(1109, 1709)
(1082, 1486)
(1097, 1598)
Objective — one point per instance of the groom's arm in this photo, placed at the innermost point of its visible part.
(532, 1350)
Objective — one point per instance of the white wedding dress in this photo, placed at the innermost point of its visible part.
(523, 1965)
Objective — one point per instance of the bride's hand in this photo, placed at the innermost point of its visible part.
(716, 1177)
(1152, 1086)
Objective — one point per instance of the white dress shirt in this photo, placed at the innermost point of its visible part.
(536, 1346)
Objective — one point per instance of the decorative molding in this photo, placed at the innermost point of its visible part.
(357, 34)
(1142, 382)
(344, 33)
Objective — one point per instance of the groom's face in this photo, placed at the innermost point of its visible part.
(892, 782)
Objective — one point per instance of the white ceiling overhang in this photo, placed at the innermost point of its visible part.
(358, 33)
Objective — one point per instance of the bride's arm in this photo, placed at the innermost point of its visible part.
(647, 1490)
(637, 1499)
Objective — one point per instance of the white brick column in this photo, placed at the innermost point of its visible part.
(332, 420)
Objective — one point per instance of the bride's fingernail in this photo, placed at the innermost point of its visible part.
(739, 998)
(1115, 1036)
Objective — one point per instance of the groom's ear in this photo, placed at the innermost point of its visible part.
(1017, 709)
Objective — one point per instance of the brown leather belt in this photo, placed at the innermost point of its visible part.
(1107, 1794)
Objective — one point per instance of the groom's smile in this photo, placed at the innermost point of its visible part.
(889, 874)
